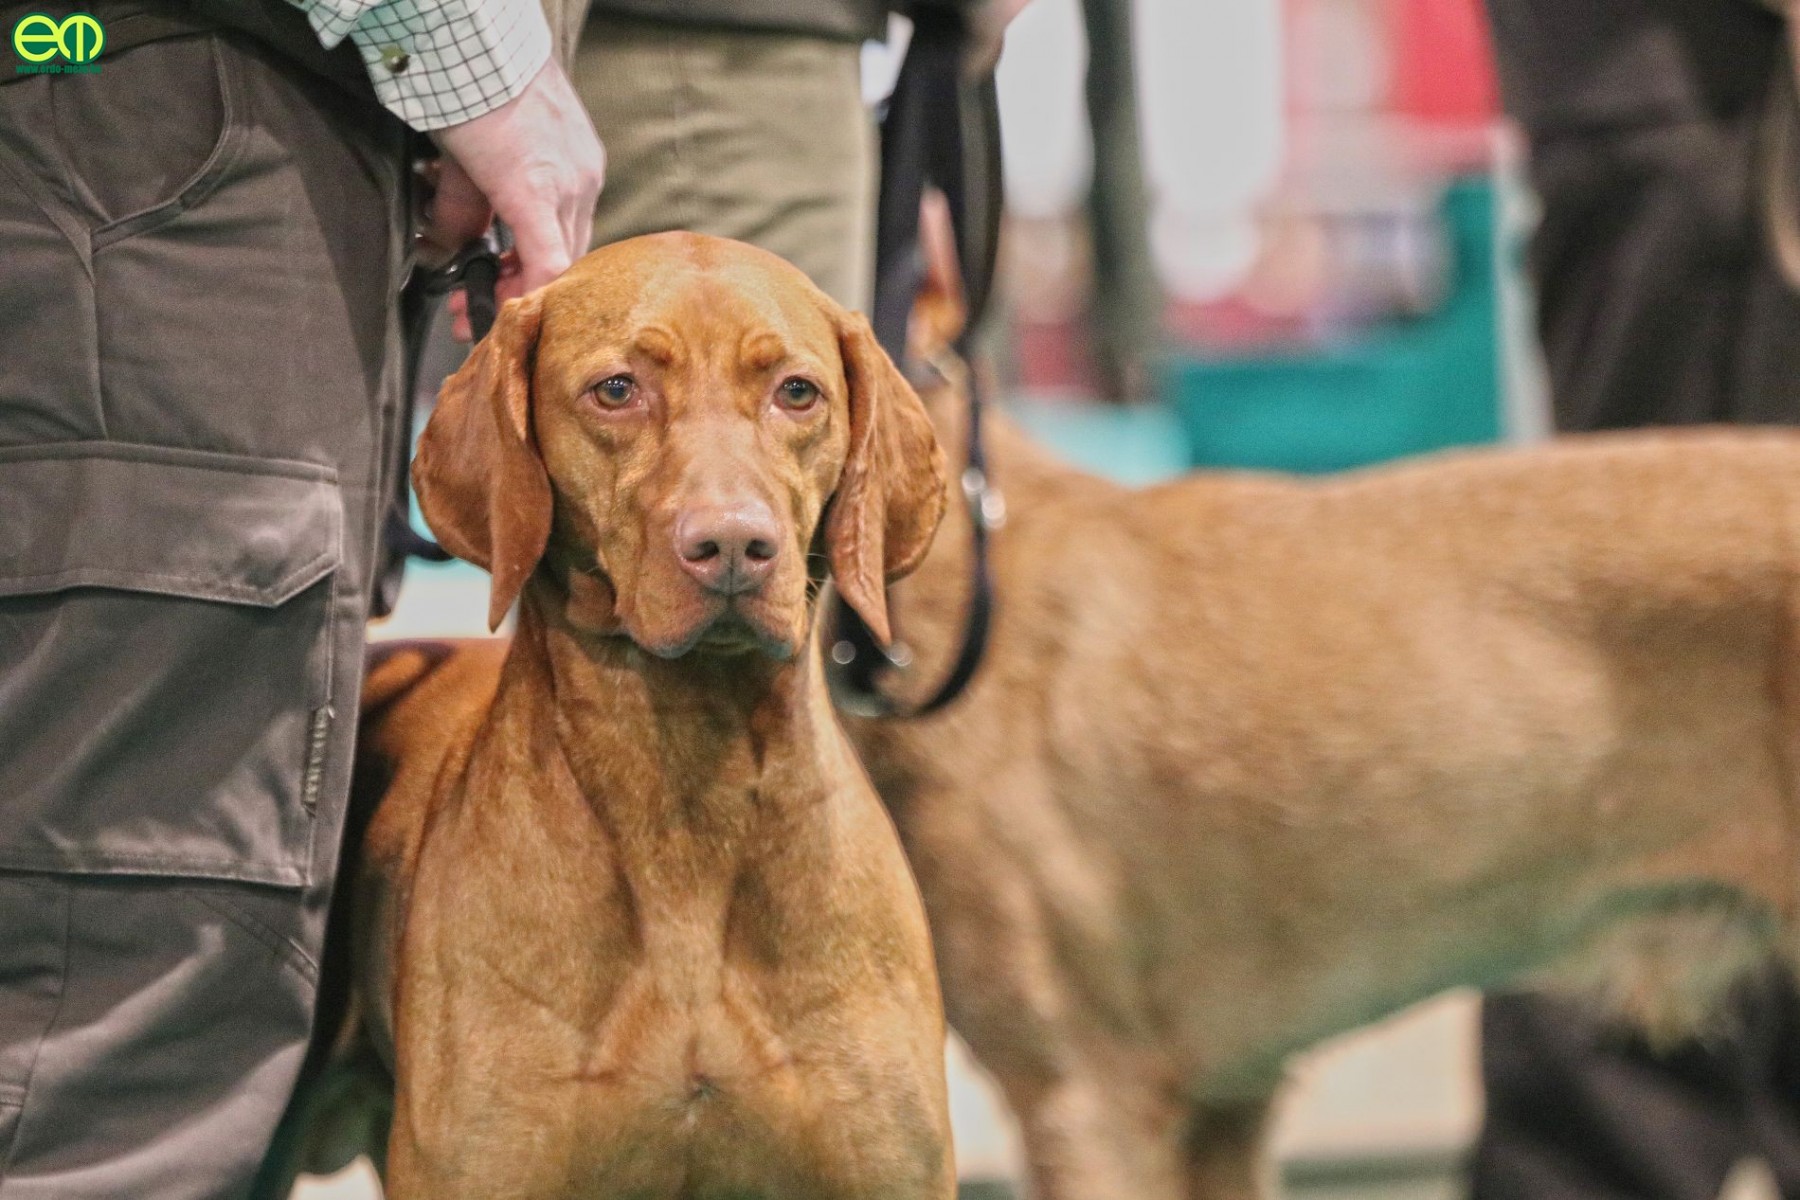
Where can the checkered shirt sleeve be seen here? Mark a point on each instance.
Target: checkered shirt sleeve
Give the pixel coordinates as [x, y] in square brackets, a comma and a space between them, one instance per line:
[439, 62]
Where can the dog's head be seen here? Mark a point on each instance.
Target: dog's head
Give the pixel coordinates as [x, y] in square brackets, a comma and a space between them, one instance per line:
[681, 421]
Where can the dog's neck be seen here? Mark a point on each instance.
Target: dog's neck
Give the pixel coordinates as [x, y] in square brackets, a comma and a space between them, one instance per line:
[700, 738]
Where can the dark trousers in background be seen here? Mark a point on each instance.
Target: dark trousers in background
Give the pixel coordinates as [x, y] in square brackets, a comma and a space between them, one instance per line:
[198, 371]
[1659, 304]
[1580, 1111]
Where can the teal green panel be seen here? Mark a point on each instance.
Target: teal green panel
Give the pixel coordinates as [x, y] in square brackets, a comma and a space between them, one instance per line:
[1136, 444]
[1403, 388]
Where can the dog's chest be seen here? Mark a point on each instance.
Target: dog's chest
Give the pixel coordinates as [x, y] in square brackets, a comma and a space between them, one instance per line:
[673, 998]
[715, 1083]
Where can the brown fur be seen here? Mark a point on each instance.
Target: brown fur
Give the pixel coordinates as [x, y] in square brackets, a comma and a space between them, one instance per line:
[1253, 761]
[630, 920]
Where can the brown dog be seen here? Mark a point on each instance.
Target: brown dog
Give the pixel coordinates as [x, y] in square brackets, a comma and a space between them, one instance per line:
[1254, 761]
[631, 921]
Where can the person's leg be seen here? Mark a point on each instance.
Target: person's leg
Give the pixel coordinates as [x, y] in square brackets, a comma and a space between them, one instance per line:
[1579, 1112]
[1658, 303]
[202, 251]
[1773, 1108]
[751, 135]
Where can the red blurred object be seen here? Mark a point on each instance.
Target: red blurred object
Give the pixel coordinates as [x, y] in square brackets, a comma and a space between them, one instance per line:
[1054, 356]
[1443, 61]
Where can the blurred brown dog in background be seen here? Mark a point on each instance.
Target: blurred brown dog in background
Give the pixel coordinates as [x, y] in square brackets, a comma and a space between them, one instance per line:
[1254, 761]
[629, 920]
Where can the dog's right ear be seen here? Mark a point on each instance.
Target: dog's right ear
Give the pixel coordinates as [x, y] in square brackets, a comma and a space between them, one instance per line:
[480, 478]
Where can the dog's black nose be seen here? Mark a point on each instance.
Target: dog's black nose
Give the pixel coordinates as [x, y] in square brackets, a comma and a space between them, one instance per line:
[730, 550]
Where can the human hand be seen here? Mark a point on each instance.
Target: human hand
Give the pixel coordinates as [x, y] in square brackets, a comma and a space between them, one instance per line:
[536, 163]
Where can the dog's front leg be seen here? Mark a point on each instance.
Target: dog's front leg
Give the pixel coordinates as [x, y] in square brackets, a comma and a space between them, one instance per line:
[1102, 1135]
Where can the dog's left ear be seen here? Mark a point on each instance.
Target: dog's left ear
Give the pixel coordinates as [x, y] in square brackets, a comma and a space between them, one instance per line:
[481, 481]
[890, 497]
[940, 310]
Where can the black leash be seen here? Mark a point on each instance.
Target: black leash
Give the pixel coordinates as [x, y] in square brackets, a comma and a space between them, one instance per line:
[477, 268]
[940, 130]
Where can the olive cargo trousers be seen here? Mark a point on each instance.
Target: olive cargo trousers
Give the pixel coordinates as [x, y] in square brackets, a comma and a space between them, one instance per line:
[756, 135]
[202, 248]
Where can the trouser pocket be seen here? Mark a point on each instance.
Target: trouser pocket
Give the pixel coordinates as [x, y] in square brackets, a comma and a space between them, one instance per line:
[165, 660]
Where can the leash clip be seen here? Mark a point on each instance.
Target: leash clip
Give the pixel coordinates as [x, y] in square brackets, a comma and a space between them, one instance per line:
[476, 269]
[986, 501]
[484, 250]
[864, 699]
[898, 655]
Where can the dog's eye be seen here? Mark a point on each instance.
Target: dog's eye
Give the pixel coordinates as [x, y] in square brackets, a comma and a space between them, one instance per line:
[614, 392]
[797, 395]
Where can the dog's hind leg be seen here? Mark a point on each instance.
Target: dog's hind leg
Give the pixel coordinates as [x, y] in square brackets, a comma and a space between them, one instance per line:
[1227, 1156]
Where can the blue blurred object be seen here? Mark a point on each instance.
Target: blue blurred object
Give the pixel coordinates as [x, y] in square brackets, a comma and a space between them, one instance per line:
[1405, 387]
[1136, 444]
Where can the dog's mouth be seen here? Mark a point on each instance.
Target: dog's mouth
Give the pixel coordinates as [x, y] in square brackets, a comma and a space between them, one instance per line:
[735, 633]
[727, 629]
[674, 620]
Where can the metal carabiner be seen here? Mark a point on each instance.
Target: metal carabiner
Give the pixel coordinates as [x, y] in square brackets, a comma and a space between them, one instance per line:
[476, 269]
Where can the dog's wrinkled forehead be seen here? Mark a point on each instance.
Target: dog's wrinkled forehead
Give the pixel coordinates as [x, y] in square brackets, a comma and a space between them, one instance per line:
[688, 301]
